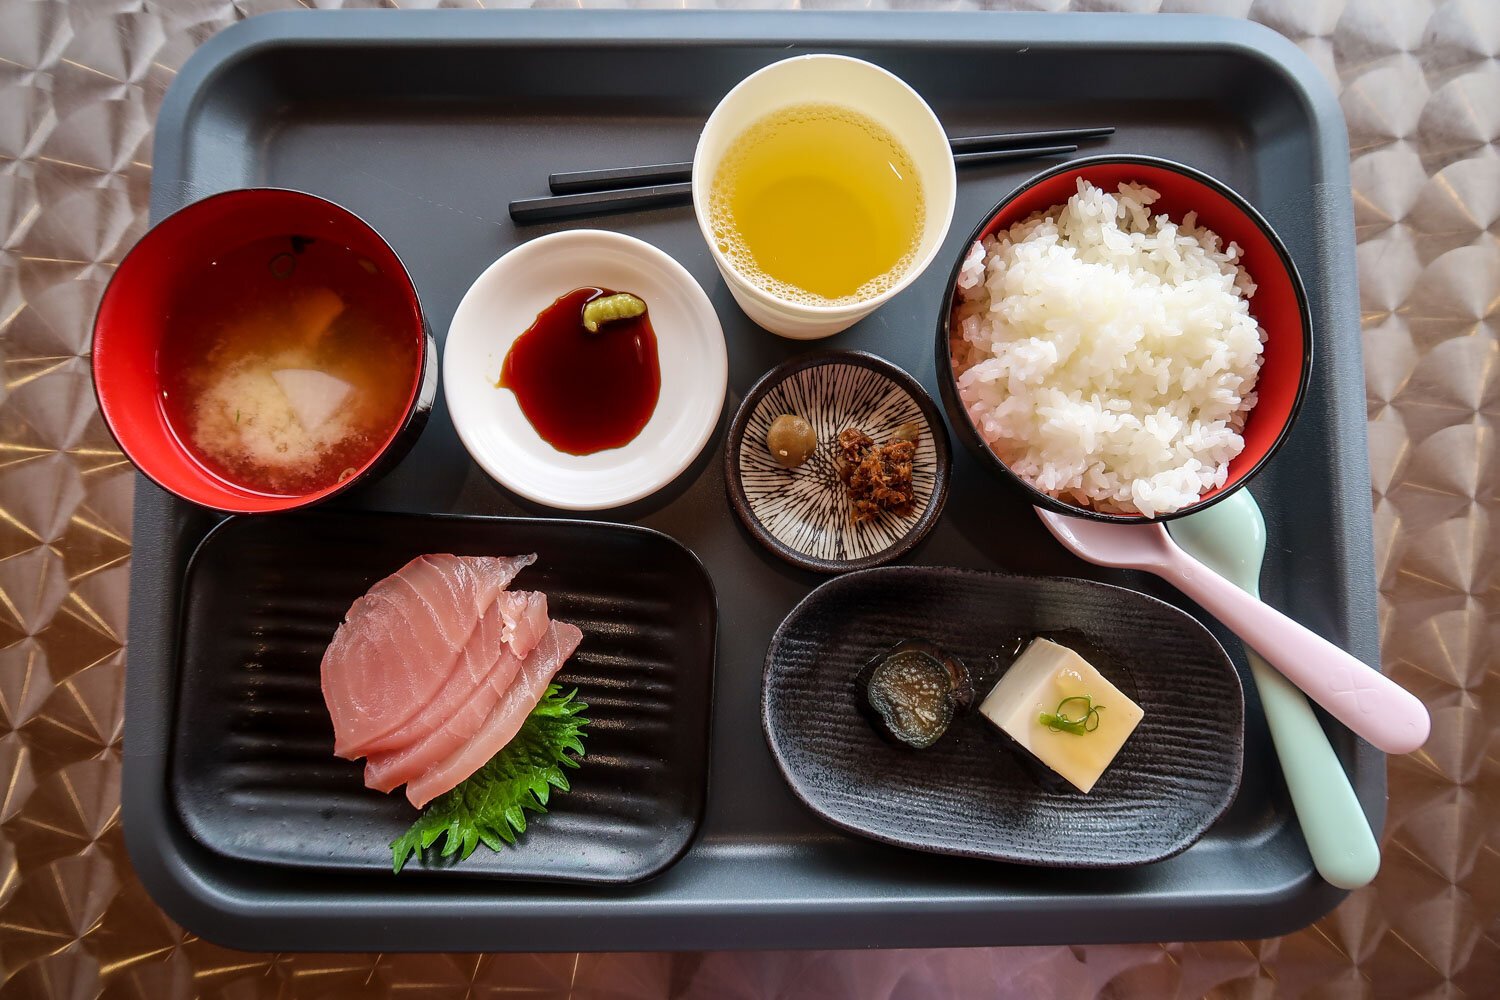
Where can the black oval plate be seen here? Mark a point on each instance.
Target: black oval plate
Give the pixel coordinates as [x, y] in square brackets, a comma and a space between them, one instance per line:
[253, 775]
[970, 794]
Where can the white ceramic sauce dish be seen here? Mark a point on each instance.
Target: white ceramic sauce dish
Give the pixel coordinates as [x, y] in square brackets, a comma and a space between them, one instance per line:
[504, 302]
[861, 87]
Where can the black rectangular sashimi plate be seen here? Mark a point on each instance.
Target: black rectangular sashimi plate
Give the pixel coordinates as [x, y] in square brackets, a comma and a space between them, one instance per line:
[253, 774]
[428, 123]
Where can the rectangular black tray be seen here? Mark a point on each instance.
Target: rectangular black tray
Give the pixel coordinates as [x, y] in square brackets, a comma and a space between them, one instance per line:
[427, 123]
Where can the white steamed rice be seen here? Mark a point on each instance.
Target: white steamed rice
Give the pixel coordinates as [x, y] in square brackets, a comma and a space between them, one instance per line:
[1107, 356]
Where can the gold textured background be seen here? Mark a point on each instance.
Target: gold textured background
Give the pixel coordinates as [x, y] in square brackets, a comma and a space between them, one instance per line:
[80, 82]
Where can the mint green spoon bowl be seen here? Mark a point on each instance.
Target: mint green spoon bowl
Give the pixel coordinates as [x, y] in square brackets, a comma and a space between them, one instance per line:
[1230, 539]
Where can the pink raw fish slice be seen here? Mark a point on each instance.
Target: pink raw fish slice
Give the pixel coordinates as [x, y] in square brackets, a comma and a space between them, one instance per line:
[505, 719]
[400, 643]
[509, 630]
[454, 716]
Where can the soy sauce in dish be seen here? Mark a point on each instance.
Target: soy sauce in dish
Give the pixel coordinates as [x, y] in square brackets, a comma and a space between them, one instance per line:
[584, 392]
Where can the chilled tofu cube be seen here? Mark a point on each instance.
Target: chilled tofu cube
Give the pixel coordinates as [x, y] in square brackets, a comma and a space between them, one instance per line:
[1046, 675]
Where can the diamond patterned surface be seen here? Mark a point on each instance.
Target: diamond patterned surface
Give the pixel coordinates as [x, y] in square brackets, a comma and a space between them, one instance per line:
[80, 81]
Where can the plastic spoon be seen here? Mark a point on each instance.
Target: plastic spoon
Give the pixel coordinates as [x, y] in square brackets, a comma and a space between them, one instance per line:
[1230, 539]
[1365, 700]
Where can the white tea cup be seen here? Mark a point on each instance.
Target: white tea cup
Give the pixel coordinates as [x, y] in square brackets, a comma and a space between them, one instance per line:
[860, 87]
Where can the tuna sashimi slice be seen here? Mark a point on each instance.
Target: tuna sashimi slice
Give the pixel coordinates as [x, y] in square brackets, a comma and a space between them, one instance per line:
[401, 642]
[504, 720]
[452, 718]
[510, 628]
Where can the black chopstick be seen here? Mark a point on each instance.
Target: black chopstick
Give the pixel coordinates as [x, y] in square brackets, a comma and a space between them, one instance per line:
[568, 206]
[609, 178]
[526, 211]
[1010, 140]
[1002, 155]
[605, 178]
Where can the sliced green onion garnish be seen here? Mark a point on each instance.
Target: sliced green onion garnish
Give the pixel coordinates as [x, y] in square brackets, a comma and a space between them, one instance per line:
[1060, 722]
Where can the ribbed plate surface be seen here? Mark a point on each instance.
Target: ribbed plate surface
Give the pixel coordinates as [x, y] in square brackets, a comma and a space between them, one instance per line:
[253, 772]
[969, 794]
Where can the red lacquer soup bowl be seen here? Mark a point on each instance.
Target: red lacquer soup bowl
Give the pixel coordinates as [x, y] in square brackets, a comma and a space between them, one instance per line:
[1279, 306]
[154, 289]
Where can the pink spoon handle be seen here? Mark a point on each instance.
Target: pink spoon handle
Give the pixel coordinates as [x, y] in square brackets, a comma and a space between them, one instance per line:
[1369, 703]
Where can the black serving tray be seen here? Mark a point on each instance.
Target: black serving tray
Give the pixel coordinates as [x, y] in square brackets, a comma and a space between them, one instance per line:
[428, 123]
[253, 775]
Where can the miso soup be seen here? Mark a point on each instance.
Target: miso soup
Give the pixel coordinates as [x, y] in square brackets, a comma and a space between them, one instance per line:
[287, 364]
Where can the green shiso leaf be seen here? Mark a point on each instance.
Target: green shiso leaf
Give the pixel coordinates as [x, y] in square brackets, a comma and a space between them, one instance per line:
[490, 806]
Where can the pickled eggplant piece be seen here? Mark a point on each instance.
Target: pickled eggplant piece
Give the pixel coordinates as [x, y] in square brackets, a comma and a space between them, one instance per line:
[912, 692]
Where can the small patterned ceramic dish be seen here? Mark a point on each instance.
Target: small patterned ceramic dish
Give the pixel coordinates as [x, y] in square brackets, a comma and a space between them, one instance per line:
[805, 514]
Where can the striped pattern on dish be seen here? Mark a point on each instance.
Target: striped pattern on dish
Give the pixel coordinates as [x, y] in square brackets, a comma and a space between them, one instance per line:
[807, 508]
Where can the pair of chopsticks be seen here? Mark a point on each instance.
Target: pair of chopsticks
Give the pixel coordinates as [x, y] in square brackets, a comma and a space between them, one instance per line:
[619, 189]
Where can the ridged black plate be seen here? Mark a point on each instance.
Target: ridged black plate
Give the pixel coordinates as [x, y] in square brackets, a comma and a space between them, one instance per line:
[970, 794]
[253, 775]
